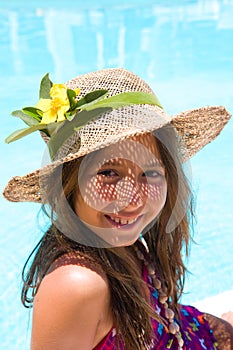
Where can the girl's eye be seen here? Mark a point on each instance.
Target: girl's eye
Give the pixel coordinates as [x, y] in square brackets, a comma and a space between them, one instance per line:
[151, 173]
[109, 173]
[153, 176]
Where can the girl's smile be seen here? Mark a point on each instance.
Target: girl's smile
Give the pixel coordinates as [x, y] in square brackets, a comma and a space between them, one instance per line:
[121, 222]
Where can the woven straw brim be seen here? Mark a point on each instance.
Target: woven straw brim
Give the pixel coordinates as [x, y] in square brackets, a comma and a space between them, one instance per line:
[195, 129]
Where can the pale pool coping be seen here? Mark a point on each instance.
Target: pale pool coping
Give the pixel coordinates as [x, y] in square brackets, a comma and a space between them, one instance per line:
[216, 305]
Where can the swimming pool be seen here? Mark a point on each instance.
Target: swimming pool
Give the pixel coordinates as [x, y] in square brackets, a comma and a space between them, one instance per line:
[183, 49]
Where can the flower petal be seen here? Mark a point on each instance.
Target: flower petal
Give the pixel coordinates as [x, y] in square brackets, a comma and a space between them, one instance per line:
[61, 113]
[49, 117]
[58, 91]
[43, 104]
[77, 91]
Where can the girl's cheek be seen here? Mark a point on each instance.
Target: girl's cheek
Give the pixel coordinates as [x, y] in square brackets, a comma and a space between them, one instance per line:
[106, 192]
[96, 193]
[156, 193]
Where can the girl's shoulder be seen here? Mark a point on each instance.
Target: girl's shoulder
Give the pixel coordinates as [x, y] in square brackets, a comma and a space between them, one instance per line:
[79, 276]
[73, 293]
[77, 269]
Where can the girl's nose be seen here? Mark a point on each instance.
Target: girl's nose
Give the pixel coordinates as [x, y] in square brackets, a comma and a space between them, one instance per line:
[128, 194]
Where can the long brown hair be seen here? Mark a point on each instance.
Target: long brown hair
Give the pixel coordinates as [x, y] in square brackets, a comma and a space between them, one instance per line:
[128, 296]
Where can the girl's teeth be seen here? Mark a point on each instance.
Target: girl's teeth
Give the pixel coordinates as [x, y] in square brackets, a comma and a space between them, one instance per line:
[122, 221]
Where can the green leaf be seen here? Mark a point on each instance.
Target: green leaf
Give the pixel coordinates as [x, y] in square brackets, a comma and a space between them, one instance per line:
[25, 117]
[126, 99]
[67, 129]
[70, 115]
[52, 127]
[18, 134]
[33, 112]
[45, 87]
[91, 97]
[71, 96]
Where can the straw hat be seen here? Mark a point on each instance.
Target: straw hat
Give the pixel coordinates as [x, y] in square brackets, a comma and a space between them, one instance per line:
[195, 128]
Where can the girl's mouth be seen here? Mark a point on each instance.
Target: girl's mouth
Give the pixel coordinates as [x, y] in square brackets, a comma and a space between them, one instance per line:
[122, 222]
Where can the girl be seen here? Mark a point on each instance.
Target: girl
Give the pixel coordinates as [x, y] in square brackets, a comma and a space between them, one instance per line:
[108, 273]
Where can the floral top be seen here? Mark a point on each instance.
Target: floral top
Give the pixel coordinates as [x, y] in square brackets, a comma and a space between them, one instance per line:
[195, 330]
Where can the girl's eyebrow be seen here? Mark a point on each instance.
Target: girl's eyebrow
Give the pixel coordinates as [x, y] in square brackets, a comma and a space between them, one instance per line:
[116, 162]
[154, 163]
[113, 162]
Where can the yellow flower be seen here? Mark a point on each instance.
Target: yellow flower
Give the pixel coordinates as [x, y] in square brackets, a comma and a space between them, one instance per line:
[58, 91]
[54, 109]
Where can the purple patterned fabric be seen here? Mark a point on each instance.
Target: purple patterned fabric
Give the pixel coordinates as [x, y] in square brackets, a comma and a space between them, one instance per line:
[195, 330]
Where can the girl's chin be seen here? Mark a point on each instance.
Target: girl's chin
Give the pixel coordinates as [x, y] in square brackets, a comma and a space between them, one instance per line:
[121, 240]
[115, 236]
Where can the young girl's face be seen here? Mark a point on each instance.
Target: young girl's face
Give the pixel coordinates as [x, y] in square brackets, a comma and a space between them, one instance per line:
[122, 189]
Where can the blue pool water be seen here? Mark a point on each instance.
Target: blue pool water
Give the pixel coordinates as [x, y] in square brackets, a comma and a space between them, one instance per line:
[183, 49]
